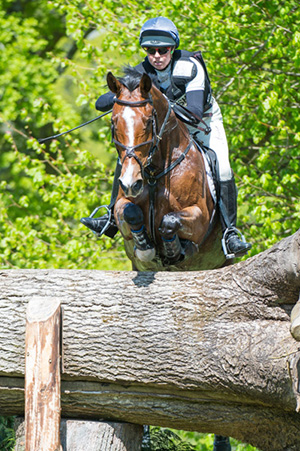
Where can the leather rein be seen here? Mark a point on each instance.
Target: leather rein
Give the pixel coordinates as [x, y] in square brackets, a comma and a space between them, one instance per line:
[147, 172]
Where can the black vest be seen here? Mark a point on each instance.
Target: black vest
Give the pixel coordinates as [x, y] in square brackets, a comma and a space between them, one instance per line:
[176, 91]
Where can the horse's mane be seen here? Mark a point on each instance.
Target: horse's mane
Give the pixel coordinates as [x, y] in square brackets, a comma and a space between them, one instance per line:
[131, 78]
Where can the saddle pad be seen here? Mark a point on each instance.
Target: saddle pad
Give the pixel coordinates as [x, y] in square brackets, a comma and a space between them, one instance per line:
[209, 174]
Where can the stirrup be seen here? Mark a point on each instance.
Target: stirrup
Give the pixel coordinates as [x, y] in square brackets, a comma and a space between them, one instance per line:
[109, 212]
[227, 232]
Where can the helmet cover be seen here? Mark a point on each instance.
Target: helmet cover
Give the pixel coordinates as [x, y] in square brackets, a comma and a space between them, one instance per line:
[159, 32]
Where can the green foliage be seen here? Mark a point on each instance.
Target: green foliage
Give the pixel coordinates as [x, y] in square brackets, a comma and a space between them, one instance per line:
[204, 442]
[54, 58]
[162, 439]
[7, 435]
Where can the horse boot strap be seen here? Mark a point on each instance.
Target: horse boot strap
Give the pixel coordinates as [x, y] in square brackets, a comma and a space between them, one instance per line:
[144, 248]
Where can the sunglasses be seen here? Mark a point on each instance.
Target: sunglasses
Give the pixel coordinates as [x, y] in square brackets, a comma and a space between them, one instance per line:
[160, 50]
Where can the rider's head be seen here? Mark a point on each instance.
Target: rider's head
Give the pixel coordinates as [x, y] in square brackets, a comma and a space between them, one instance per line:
[159, 37]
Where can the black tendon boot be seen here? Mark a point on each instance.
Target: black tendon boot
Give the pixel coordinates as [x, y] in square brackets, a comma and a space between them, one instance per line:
[106, 224]
[221, 443]
[233, 242]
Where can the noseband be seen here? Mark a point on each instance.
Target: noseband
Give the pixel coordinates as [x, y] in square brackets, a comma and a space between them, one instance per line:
[156, 138]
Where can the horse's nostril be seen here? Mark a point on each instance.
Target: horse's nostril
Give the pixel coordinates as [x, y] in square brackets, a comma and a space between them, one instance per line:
[124, 188]
[137, 186]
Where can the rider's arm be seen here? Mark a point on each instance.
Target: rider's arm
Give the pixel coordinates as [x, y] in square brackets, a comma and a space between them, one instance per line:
[195, 98]
[105, 102]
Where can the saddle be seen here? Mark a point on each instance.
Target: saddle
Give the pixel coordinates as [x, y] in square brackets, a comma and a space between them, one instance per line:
[190, 118]
[212, 169]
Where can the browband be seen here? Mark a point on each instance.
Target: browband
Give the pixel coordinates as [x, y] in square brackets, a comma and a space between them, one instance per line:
[132, 104]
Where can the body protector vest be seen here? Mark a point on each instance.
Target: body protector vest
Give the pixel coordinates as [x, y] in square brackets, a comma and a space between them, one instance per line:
[183, 70]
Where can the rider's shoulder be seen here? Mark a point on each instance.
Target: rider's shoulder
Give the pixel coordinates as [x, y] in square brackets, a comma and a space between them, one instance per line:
[183, 66]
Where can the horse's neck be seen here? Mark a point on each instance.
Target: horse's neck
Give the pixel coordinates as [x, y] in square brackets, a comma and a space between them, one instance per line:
[175, 135]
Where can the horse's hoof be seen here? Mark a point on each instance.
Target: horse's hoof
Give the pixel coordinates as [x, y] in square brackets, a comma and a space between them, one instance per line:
[146, 255]
[189, 247]
[166, 261]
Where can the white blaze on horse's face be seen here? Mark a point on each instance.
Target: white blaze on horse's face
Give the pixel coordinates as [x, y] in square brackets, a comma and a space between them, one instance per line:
[131, 180]
[128, 116]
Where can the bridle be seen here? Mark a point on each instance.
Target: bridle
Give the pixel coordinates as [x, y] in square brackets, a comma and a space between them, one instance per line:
[154, 141]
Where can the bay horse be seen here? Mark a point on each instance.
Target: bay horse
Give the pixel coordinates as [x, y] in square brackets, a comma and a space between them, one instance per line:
[164, 210]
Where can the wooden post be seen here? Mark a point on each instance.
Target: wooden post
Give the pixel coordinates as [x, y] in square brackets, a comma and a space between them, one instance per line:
[42, 374]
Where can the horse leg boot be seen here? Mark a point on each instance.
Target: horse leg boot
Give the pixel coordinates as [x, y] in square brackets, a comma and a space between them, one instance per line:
[221, 443]
[233, 242]
[106, 224]
[173, 251]
[144, 248]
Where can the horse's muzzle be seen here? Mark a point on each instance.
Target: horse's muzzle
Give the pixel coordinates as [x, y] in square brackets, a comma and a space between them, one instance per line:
[132, 190]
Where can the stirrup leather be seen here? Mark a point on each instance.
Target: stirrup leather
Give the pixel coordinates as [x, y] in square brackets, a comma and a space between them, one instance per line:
[227, 232]
[108, 223]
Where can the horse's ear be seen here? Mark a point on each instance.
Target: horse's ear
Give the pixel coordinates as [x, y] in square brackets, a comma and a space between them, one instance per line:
[145, 85]
[113, 84]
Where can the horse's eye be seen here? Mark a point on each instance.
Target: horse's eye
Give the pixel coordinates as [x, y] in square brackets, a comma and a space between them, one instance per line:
[147, 122]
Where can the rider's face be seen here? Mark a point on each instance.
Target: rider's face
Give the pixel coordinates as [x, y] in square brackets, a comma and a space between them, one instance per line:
[160, 61]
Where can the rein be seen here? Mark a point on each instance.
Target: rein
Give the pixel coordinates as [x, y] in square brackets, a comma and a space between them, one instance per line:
[43, 140]
[152, 182]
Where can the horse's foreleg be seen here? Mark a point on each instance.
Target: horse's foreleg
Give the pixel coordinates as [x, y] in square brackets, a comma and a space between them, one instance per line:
[169, 226]
[187, 224]
[144, 248]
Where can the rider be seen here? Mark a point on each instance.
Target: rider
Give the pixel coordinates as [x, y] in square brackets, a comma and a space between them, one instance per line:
[184, 80]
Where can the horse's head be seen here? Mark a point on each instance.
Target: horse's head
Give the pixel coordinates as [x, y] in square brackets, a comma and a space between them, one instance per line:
[133, 128]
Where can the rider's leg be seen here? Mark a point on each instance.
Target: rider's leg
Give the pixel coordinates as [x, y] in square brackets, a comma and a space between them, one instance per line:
[234, 243]
[98, 224]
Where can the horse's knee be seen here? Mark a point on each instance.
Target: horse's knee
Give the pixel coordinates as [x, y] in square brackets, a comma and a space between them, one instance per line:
[170, 224]
[133, 215]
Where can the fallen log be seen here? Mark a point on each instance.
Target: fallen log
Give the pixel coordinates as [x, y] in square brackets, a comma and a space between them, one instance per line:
[204, 351]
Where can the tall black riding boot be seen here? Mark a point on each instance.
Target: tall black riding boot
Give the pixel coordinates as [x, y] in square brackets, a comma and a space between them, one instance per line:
[233, 241]
[106, 224]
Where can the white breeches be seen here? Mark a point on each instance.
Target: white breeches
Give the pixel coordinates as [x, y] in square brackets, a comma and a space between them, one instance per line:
[216, 139]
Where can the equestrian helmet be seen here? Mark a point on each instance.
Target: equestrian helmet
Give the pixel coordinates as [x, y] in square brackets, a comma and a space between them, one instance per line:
[159, 32]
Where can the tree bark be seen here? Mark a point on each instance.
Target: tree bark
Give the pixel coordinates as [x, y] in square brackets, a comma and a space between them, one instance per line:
[205, 351]
[78, 435]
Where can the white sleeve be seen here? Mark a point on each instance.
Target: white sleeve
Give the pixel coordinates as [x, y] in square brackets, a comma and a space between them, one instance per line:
[198, 82]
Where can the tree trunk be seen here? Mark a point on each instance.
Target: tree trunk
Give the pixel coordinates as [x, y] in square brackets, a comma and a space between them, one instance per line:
[91, 436]
[204, 351]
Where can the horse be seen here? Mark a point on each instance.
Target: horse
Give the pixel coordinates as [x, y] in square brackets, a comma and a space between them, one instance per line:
[165, 209]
